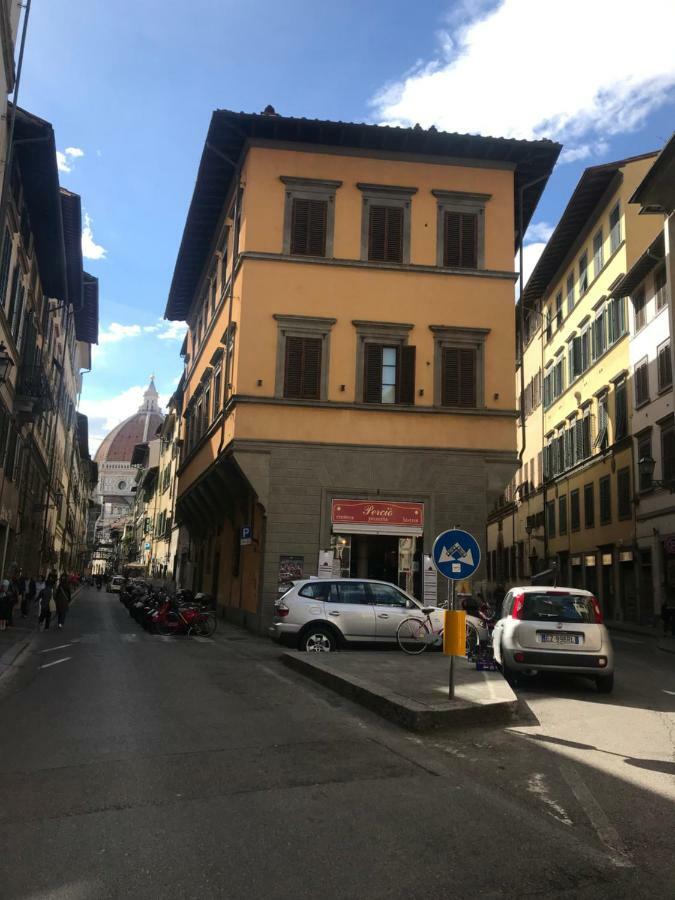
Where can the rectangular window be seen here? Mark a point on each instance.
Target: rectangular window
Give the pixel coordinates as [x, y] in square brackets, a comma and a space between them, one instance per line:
[644, 451]
[550, 518]
[4, 265]
[570, 293]
[620, 411]
[623, 493]
[640, 309]
[600, 334]
[616, 324]
[217, 391]
[602, 441]
[559, 310]
[598, 261]
[615, 228]
[309, 222]
[548, 389]
[302, 368]
[562, 515]
[385, 233]
[458, 386]
[642, 382]
[583, 273]
[668, 453]
[549, 327]
[460, 240]
[605, 500]
[665, 367]
[389, 374]
[575, 515]
[558, 378]
[660, 288]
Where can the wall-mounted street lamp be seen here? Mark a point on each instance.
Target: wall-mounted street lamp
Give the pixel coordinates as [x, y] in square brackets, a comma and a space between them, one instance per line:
[646, 466]
[6, 363]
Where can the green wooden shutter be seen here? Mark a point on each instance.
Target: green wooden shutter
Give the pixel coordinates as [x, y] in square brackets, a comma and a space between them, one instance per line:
[308, 227]
[372, 373]
[405, 376]
[385, 233]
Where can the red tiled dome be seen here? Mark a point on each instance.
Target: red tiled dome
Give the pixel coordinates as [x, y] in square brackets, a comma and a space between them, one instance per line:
[119, 445]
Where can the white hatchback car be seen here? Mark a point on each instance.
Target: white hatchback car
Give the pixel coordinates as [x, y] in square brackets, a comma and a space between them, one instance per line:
[557, 629]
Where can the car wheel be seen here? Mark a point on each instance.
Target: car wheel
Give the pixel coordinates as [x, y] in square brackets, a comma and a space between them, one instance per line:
[318, 640]
[605, 683]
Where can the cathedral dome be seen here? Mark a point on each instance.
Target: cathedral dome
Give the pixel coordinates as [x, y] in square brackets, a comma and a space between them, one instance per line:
[118, 446]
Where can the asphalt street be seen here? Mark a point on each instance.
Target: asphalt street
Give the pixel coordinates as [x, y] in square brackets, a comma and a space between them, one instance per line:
[139, 766]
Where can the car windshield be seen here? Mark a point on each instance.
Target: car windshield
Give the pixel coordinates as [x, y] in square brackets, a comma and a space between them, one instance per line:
[558, 607]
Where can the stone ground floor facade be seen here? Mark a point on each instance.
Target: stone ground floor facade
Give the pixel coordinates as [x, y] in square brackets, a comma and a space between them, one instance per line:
[266, 513]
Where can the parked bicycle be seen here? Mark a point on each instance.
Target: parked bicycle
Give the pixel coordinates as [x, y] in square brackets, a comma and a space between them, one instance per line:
[415, 635]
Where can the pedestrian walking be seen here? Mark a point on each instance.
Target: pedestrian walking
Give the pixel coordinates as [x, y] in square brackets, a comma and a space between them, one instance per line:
[62, 599]
[47, 603]
[5, 604]
[12, 590]
[21, 592]
[28, 598]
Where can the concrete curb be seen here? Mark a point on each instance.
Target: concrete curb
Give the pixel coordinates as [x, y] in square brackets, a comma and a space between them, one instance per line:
[403, 710]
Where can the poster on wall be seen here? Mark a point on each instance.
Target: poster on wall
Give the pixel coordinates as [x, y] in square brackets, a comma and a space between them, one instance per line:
[326, 564]
[291, 568]
[430, 581]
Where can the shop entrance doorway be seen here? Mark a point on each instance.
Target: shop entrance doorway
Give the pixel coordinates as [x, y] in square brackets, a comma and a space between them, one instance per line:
[375, 557]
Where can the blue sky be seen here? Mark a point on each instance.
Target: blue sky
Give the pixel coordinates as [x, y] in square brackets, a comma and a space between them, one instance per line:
[130, 86]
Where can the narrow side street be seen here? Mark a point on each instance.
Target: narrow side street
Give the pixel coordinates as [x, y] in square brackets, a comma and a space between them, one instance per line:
[151, 767]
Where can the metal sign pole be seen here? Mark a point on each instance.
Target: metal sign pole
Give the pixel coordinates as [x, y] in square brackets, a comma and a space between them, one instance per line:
[451, 674]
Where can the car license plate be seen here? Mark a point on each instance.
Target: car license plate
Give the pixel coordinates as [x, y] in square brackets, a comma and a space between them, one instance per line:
[558, 637]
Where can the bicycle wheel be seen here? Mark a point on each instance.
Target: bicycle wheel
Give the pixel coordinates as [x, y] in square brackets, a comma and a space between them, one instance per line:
[203, 625]
[413, 636]
[472, 642]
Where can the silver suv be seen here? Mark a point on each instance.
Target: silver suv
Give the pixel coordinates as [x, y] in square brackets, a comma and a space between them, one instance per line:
[319, 615]
[556, 629]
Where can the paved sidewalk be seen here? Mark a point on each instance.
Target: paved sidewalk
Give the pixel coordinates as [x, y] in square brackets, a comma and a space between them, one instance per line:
[412, 690]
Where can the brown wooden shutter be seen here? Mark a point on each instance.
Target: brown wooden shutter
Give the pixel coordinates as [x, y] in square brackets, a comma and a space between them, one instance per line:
[311, 375]
[372, 373]
[458, 387]
[405, 375]
[293, 368]
[460, 240]
[308, 227]
[385, 233]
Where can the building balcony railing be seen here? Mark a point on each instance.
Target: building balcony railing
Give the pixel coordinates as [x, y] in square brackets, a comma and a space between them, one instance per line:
[33, 386]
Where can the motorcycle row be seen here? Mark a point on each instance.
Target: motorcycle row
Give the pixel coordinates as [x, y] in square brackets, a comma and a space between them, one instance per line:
[169, 614]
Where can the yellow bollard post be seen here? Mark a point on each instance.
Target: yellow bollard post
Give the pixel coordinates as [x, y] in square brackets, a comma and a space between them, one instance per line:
[454, 633]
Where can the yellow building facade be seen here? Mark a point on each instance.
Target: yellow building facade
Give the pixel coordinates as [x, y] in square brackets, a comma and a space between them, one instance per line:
[583, 504]
[349, 292]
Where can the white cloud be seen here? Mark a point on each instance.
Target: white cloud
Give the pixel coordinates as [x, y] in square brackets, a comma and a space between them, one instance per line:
[531, 253]
[172, 331]
[90, 249]
[530, 69]
[64, 158]
[116, 332]
[538, 231]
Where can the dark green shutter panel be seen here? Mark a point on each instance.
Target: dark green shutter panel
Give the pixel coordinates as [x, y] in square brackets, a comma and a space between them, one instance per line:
[308, 227]
[458, 386]
[372, 373]
[668, 454]
[385, 233]
[311, 375]
[405, 377]
[460, 240]
[293, 368]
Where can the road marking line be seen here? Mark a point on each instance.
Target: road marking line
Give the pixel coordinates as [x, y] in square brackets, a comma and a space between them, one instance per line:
[56, 662]
[51, 649]
[598, 818]
[537, 786]
[672, 693]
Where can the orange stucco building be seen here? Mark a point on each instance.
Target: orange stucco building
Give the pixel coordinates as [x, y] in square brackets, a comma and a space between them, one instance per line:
[349, 295]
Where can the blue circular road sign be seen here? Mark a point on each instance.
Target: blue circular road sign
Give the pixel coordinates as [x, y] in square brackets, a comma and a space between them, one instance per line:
[456, 554]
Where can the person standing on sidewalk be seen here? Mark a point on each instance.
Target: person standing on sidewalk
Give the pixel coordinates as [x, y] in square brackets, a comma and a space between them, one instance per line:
[5, 604]
[28, 598]
[62, 599]
[21, 591]
[47, 604]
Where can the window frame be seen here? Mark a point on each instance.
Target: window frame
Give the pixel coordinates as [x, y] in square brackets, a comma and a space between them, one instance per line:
[296, 188]
[606, 480]
[623, 500]
[641, 377]
[589, 493]
[302, 327]
[575, 510]
[584, 279]
[639, 303]
[615, 231]
[385, 195]
[663, 349]
[460, 202]
[667, 472]
[660, 290]
[644, 448]
[446, 337]
[598, 252]
[388, 334]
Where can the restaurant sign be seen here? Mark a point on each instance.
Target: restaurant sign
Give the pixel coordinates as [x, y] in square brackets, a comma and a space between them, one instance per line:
[377, 512]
